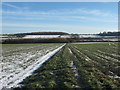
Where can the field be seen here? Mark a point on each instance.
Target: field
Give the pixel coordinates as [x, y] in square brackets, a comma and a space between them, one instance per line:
[79, 66]
[19, 60]
[76, 65]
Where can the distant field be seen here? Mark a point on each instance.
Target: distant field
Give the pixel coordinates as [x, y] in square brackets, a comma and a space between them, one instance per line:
[19, 59]
[93, 65]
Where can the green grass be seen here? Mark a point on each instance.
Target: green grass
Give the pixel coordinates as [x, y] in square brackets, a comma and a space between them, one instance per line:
[55, 73]
[94, 64]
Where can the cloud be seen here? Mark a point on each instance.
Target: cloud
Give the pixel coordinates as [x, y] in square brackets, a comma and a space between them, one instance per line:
[10, 5]
[21, 25]
[95, 12]
[63, 14]
[55, 27]
[69, 15]
[56, 12]
[66, 18]
[17, 9]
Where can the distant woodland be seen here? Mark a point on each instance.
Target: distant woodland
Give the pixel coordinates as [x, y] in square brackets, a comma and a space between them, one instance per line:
[109, 34]
[62, 33]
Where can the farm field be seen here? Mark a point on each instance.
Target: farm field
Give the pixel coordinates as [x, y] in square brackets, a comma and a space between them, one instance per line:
[86, 65]
[19, 60]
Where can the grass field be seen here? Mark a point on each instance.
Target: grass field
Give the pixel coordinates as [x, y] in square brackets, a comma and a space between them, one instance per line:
[78, 65]
[18, 59]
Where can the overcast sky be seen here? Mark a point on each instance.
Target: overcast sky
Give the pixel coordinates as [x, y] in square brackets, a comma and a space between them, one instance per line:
[77, 17]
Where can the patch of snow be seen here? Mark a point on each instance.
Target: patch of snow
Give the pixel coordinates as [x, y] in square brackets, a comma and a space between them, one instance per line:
[116, 55]
[13, 82]
[107, 57]
[116, 77]
[41, 36]
[14, 64]
[70, 50]
[87, 58]
[76, 86]
[74, 69]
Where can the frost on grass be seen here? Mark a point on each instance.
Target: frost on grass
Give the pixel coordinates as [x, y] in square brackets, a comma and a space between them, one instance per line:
[19, 63]
[70, 51]
[74, 69]
[73, 66]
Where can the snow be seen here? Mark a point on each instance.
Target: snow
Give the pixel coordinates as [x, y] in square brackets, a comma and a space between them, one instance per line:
[116, 77]
[55, 36]
[3, 36]
[70, 50]
[74, 69]
[106, 57]
[116, 55]
[65, 36]
[16, 74]
[41, 36]
[87, 59]
[94, 36]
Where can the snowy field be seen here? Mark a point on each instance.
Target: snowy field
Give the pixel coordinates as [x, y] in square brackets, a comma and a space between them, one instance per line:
[19, 60]
[41, 36]
[50, 36]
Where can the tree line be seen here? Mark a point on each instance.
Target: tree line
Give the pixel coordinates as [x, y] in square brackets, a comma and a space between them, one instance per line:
[109, 33]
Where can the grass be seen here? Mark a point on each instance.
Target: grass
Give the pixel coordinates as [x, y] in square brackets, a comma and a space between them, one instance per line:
[18, 57]
[96, 65]
[93, 65]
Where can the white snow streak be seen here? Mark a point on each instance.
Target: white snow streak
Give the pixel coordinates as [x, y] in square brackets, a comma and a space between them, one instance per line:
[74, 69]
[17, 78]
[70, 50]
